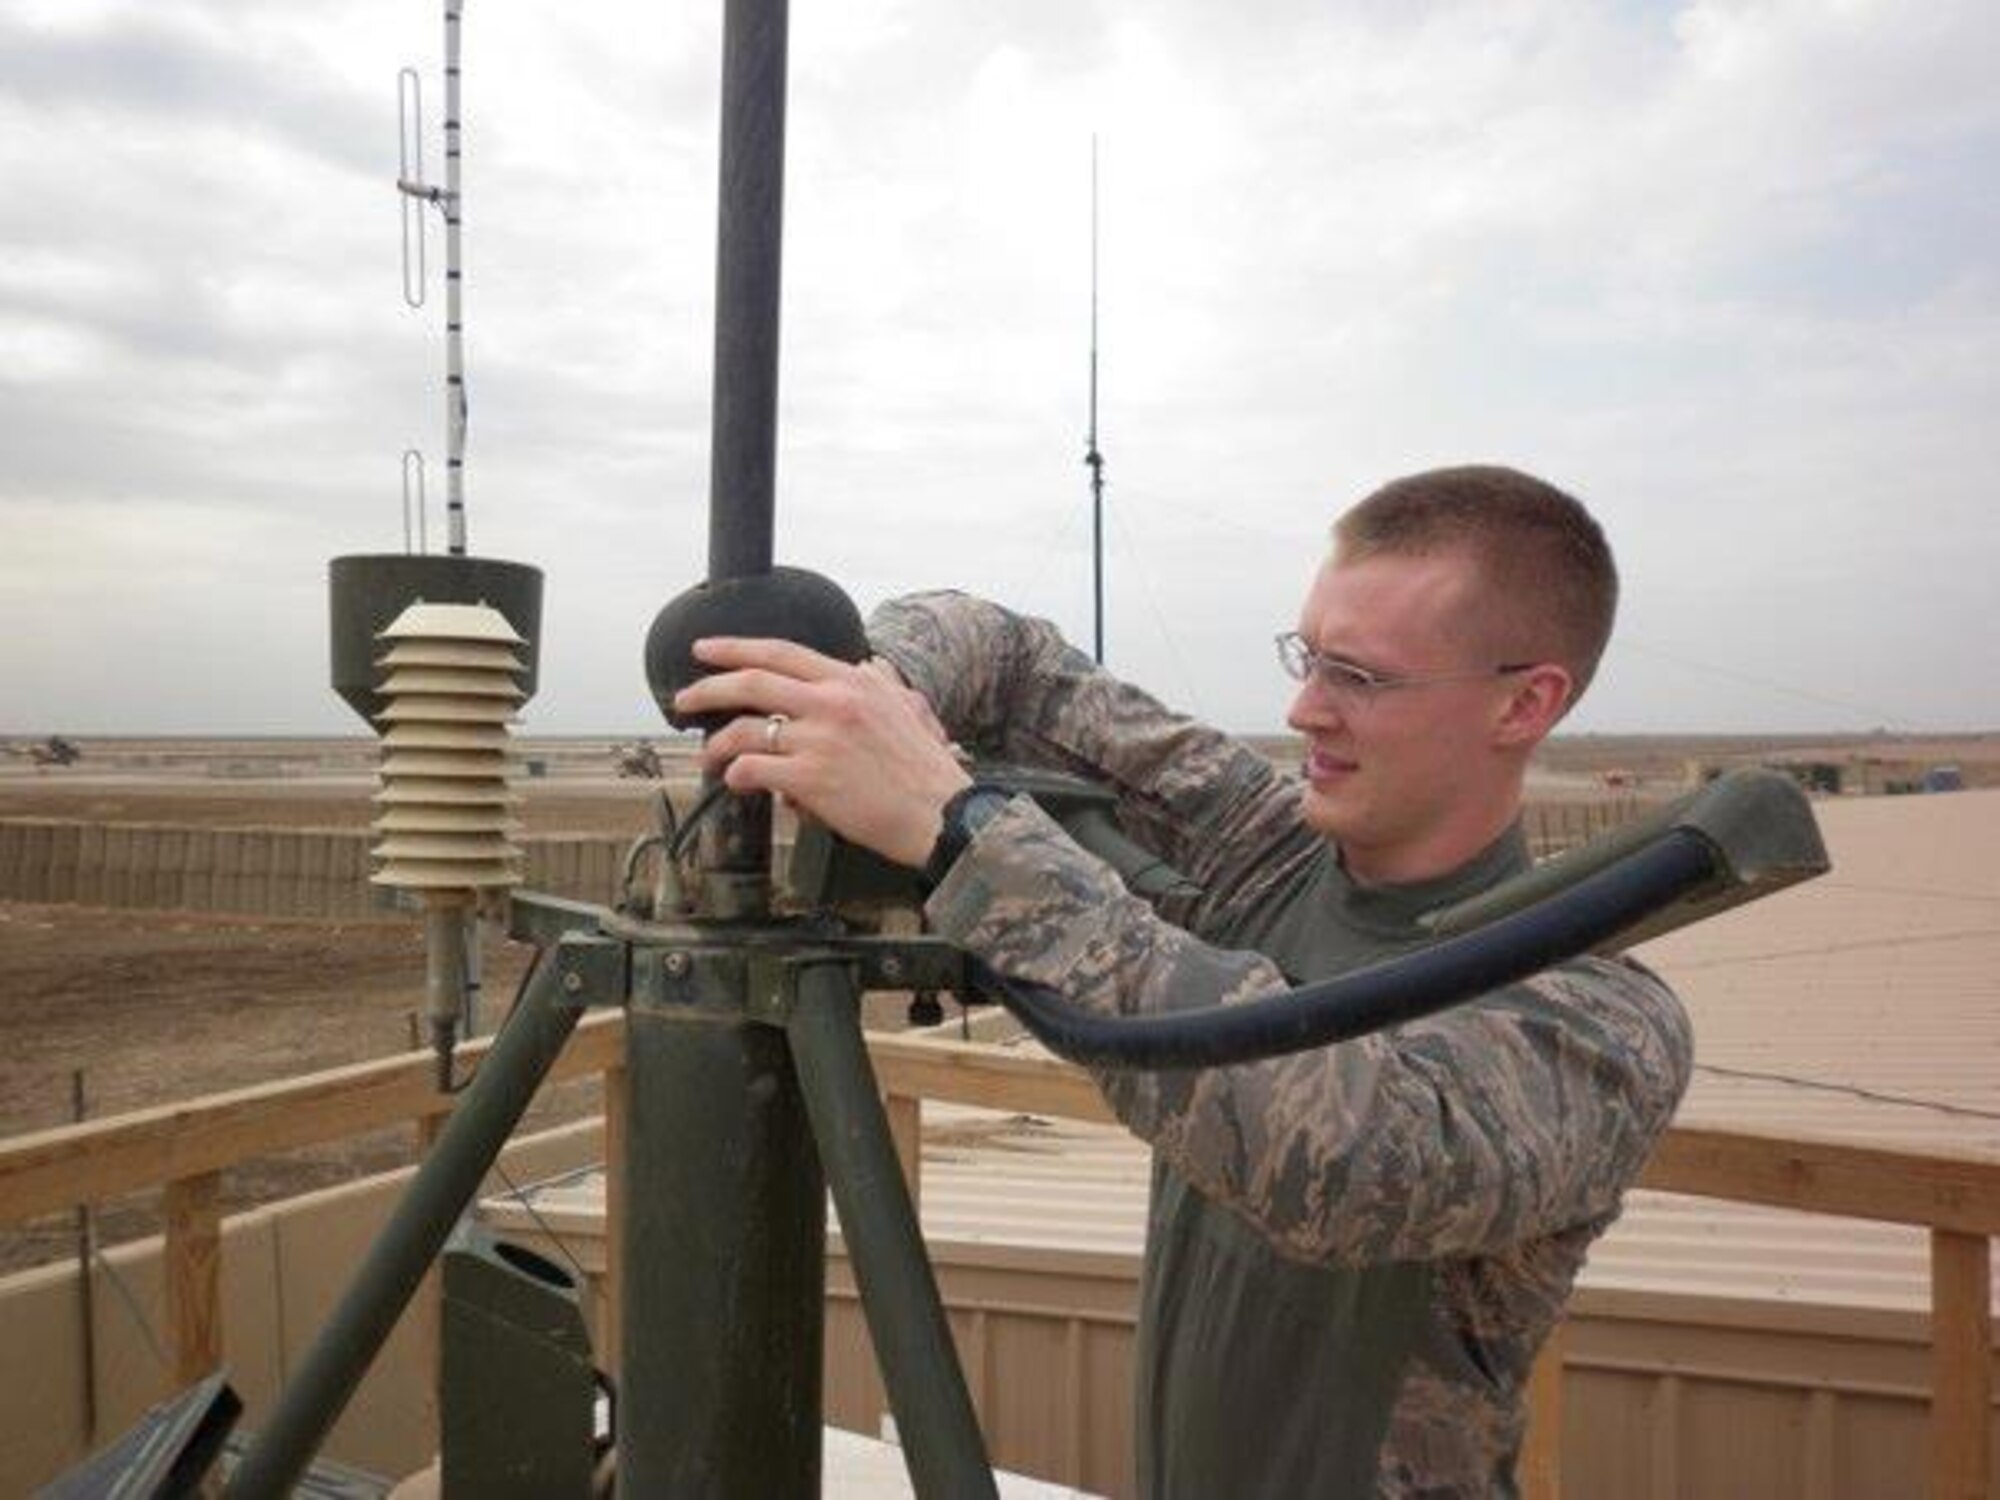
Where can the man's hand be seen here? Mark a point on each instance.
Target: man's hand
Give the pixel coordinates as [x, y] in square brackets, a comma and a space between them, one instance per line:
[850, 745]
[887, 670]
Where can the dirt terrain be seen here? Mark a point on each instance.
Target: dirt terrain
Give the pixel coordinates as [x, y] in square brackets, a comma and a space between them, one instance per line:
[153, 1006]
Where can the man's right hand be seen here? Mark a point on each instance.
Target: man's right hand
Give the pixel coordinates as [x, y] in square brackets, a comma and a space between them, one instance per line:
[849, 745]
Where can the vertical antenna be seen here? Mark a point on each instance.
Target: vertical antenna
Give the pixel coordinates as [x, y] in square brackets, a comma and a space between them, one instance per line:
[454, 280]
[450, 200]
[1092, 457]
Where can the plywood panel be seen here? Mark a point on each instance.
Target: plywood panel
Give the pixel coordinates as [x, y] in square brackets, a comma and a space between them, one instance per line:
[1609, 1422]
[1741, 1440]
[1029, 1408]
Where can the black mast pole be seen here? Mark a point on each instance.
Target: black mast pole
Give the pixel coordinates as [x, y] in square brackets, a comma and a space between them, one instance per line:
[749, 252]
[1094, 458]
[725, 1230]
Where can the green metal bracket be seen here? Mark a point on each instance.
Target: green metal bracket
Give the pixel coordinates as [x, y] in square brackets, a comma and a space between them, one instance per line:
[1758, 823]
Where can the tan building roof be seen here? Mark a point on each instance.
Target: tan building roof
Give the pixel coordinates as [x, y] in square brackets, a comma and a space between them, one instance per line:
[1880, 978]
[1876, 988]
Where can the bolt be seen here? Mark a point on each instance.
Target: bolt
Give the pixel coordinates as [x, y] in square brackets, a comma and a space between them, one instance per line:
[676, 965]
[572, 983]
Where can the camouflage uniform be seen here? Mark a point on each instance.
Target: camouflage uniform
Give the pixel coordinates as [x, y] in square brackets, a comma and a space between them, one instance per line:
[1353, 1253]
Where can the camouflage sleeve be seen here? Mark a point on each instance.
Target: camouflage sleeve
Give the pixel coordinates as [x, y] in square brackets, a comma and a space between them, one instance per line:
[1008, 685]
[1508, 1118]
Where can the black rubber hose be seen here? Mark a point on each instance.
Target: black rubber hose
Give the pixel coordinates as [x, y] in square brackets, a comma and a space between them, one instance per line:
[1387, 994]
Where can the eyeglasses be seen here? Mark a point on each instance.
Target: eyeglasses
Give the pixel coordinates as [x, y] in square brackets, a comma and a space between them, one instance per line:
[1357, 683]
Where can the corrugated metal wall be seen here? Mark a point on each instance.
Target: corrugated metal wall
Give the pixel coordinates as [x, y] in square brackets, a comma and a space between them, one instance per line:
[1667, 1395]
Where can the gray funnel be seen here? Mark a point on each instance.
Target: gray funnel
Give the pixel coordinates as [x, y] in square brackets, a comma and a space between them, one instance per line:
[365, 593]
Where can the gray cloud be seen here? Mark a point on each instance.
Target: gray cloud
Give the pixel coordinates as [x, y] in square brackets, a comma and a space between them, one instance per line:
[148, 67]
[1725, 268]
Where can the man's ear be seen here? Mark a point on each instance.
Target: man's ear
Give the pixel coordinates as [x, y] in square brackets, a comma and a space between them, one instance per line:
[1540, 697]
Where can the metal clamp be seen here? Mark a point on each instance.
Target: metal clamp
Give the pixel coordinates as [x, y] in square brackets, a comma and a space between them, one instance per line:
[591, 970]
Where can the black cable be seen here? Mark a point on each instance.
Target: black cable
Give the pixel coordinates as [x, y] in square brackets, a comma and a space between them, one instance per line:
[454, 1086]
[1398, 990]
[520, 1195]
[1817, 950]
[710, 798]
[1849, 1090]
[1926, 892]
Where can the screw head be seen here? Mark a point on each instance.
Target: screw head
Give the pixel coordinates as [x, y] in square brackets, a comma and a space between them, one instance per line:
[676, 964]
[892, 967]
[572, 983]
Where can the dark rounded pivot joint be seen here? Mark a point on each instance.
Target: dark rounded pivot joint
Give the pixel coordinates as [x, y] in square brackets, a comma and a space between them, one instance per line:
[793, 604]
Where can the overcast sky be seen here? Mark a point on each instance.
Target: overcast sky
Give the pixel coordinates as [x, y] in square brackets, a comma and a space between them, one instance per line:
[1728, 270]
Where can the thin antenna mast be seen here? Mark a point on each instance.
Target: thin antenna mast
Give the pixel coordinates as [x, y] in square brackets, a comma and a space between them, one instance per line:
[450, 200]
[1093, 458]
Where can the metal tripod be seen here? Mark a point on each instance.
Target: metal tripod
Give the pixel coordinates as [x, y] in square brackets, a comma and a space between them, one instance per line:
[751, 1095]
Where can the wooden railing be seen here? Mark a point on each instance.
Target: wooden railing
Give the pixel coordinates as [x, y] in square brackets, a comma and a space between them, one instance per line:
[184, 1147]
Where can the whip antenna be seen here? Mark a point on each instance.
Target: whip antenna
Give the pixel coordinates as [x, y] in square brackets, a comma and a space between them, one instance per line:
[450, 200]
[1093, 458]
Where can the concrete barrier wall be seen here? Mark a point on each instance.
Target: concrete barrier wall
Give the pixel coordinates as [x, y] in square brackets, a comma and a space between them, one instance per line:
[278, 872]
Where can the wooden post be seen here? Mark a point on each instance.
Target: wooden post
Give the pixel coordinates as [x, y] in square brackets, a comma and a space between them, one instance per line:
[906, 1129]
[86, 1278]
[1961, 1365]
[1540, 1468]
[611, 1304]
[194, 1275]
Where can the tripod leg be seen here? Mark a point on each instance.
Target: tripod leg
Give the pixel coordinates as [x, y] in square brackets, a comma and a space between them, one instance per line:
[486, 1115]
[940, 1433]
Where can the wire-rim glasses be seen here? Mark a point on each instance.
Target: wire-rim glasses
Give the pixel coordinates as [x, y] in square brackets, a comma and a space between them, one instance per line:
[1353, 681]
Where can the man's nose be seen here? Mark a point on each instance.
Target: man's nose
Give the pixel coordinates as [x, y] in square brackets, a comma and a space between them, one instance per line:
[1313, 707]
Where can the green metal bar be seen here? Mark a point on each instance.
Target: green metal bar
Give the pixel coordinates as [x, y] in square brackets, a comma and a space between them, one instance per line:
[1759, 824]
[487, 1113]
[934, 1418]
[724, 1267]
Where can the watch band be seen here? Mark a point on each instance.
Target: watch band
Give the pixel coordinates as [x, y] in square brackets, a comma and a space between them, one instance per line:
[964, 815]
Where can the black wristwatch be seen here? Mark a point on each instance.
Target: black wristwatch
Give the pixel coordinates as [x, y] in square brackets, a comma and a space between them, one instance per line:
[968, 811]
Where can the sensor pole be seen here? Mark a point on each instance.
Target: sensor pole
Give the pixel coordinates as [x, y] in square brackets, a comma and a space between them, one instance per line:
[725, 1239]
[450, 930]
[748, 264]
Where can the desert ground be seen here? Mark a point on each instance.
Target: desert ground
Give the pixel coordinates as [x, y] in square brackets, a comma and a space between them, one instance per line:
[149, 1006]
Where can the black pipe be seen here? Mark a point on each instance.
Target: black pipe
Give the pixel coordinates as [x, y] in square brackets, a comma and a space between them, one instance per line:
[934, 1418]
[743, 458]
[1383, 995]
[487, 1112]
[743, 461]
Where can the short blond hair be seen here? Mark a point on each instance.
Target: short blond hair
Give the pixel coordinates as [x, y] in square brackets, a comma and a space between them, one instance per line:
[1543, 556]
